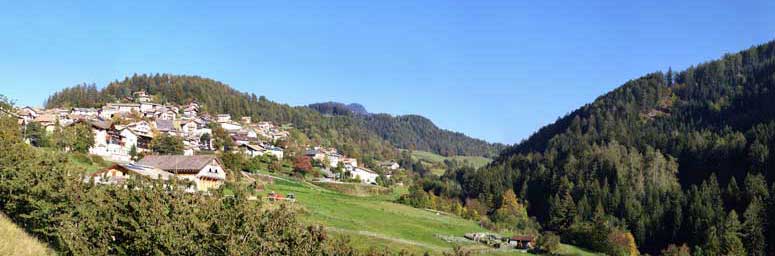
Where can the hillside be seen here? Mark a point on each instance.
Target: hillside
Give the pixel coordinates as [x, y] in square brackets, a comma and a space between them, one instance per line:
[437, 163]
[356, 135]
[413, 131]
[374, 221]
[667, 156]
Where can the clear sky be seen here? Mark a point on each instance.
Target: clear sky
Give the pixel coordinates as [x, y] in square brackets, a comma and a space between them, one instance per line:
[496, 70]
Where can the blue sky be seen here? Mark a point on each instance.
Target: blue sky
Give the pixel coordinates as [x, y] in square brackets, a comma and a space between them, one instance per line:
[496, 70]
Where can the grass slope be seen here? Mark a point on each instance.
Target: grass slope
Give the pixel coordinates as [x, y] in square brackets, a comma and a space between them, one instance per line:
[435, 159]
[14, 241]
[377, 222]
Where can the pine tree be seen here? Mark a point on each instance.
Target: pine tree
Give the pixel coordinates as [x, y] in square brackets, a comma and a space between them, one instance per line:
[753, 228]
[712, 244]
[731, 243]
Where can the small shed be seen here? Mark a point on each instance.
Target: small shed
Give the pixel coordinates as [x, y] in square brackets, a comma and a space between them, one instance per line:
[522, 242]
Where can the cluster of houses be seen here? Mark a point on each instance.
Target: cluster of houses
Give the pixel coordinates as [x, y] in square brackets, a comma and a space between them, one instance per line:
[332, 159]
[123, 129]
[116, 141]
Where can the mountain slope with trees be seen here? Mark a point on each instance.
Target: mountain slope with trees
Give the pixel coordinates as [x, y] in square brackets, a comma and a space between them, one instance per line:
[672, 158]
[413, 132]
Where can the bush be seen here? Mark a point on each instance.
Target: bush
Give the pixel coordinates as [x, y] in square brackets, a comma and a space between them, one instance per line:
[548, 243]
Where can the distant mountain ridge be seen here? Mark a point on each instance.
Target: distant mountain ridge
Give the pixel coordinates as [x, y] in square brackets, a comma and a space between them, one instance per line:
[338, 108]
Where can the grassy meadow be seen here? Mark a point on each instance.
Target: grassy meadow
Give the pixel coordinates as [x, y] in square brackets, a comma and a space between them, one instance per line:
[376, 222]
[436, 162]
[14, 241]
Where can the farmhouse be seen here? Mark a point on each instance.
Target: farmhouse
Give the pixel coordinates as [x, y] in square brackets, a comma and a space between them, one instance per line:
[365, 175]
[206, 172]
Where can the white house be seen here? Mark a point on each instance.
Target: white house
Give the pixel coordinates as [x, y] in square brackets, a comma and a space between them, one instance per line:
[149, 107]
[204, 171]
[277, 152]
[349, 163]
[221, 118]
[141, 127]
[365, 175]
[108, 142]
[107, 112]
[167, 114]
[141, 96]
[231, 127]
[124, 107]
[191, 111]
[389, 165]
[86, 112]
[140, 141]
[333, 159]
[189, 127]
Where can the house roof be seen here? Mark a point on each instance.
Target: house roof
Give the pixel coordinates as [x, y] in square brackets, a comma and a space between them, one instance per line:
[522, 238]
[253, 147]
[104, 125]
[133, 105]
[147, 171]
[164, 125]
[27, 111]
[178, 163]
[85, 109]
[45, 118]
[365, 170]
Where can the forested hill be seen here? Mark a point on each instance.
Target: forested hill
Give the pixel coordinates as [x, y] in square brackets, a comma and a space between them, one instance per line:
[348, 133]
[672, 157]
[413, 131]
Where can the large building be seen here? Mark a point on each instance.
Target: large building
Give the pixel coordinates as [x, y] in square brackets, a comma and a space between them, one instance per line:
[205, 171]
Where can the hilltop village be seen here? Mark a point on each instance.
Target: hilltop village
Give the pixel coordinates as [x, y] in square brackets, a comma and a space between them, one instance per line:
[143, 137]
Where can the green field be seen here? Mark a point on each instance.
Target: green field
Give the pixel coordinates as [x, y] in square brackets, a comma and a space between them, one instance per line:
[436, 161]
[376, 222]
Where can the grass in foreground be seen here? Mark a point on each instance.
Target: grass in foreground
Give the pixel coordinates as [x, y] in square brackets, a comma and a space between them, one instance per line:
[14, 241]
[367, 219]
